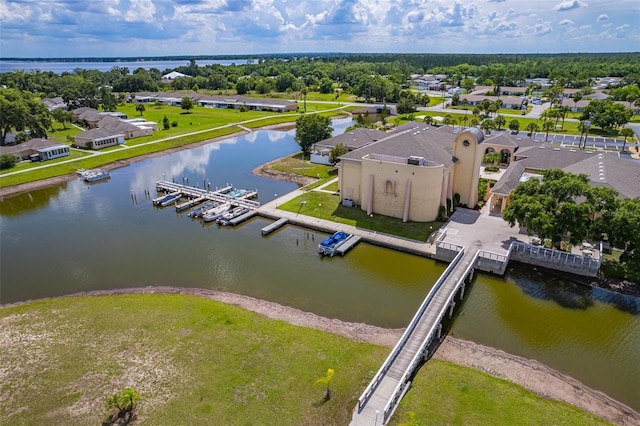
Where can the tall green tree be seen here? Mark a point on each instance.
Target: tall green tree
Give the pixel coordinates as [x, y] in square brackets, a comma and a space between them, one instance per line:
[336, 152]
[514, 125]
[187, 104]
[626, 132]
[140, 108]
[406, 106]
[61, 116]
[622, 231]
[311, 129]
[20, 111]
[108, 99]
[531, 128]
[553, 206]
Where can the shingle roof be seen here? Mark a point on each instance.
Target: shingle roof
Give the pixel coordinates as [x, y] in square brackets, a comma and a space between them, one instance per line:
[31, 144]
[603, 169]
[354, 139]
[98, 133]
[433, 143]
[114, 124]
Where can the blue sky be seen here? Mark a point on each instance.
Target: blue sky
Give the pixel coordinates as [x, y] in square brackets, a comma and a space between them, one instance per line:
[75, 28]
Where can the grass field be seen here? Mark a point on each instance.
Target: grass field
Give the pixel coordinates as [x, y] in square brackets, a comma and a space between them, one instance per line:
[196, 361]
[200, 120]
[447, 394]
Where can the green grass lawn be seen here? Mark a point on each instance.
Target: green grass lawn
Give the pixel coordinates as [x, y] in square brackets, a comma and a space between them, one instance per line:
[327, 206]
[199, 120]
[196, 361]
[443, 393]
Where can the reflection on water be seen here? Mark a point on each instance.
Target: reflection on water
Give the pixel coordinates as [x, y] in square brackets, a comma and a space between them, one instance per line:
[76, 237]
[590, 334]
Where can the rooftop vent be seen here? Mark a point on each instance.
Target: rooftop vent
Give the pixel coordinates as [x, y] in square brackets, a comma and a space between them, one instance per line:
[416, 161]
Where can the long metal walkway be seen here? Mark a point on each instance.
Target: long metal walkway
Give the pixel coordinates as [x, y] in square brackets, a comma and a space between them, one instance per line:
[380, 398]
[219, 195]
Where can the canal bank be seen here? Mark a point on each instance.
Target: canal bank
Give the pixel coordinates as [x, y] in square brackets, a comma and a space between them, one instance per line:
[385, 283]
[527, 373]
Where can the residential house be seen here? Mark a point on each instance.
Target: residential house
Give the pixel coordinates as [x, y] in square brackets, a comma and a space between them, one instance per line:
[98, 138]
[54, 103]
[36, 149]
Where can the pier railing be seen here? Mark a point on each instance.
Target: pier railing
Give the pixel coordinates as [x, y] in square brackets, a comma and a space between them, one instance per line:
[370, 389]
[403, 385]
[555, 259]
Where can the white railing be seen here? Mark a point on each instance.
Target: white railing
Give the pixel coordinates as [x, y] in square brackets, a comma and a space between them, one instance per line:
[493, 256]
[402, 386]
[557, 257]
[370, 389]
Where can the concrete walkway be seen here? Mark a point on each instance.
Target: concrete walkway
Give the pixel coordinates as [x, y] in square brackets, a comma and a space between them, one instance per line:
[271, 211]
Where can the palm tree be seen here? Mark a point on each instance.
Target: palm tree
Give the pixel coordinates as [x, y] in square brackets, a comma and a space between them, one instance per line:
[547, 126]
[626, 132]
[531, 129]
[428, 119]
[464, 120]
[500, 121]
[486, 125]
[577, 97]
[140, 107]
[474, 122]
[498, 103]
[514, 126]
[447, 120]
[443, 89]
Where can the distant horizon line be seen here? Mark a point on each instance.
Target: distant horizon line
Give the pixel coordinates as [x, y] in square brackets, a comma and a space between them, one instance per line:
[282, 55]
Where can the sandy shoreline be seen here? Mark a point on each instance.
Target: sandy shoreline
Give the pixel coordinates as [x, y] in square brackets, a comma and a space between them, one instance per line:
[527, 373]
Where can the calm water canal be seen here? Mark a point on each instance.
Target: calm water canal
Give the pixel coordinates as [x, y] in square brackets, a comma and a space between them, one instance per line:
[79, 237]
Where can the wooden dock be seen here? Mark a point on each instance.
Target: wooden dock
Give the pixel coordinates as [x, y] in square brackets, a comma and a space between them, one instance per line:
[273, 226]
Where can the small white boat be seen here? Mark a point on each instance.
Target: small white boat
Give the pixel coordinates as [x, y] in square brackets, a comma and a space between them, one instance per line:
[215, 212]
[167, 199]
[231, 214]
[94, 175]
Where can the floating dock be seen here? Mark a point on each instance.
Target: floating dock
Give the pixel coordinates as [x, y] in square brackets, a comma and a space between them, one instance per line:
[273, 226]
[221, 195]
[190, 203]
[236, 220]
[348, 245]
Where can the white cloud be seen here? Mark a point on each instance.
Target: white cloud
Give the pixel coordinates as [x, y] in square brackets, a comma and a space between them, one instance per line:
[569, 5]
[140, 11]
[170, 27]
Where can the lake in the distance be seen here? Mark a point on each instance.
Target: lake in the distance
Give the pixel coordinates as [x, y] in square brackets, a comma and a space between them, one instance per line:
[77, 237]
[60, 67]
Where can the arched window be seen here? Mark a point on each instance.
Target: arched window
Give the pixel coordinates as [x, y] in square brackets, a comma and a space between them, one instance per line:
[505, 157]
[489, 150]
